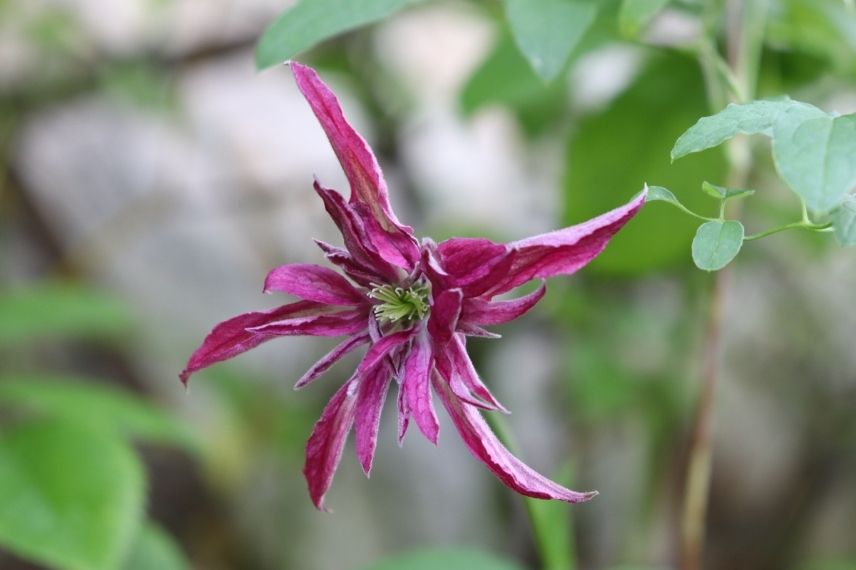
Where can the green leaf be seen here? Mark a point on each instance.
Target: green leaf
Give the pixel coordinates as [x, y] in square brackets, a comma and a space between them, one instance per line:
[723, 193]
[757, 117]
[70, 498]
[94, 404]
[612, 152]
[816, 159]
[551, 522]
[844, 221]
[449, 559]
[60, 309]
[635, 15]
[658, 193]
[312, 21]
[154, 549]
[548, 30]
[716, 244]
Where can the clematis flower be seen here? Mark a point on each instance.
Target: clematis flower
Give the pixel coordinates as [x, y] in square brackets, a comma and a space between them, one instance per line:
[413, 304]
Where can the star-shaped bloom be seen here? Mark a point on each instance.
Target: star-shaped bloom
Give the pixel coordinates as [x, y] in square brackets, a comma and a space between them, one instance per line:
[413, 304]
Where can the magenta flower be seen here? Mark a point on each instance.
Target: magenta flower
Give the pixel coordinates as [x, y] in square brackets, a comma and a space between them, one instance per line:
[413, 303]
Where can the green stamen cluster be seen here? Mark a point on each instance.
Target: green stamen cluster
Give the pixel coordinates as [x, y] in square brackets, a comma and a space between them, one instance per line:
[399, 304]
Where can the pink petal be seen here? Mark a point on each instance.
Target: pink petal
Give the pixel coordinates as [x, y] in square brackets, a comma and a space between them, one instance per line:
[485, 447]
[382, 348]
[325, 445]
[231, 337]
[468, 260]
[444, 315]
[416, 388]
[313, 283]
[373, 390]
[474, 330]
[464, 374]
[485, 313]
[368, 186]
[563, 252]
[330, 324]
[330, 359]
[341, 258]
[353, 230]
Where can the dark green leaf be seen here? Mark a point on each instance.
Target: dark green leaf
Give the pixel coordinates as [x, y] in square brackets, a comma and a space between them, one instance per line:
[844, 221]
[457, 559]
[95, 404]
[548, 30]
[60, 309]
[635, 14]
[716, 244]
[313, 21]
[154, 549]
[70, 498]
[603, 168]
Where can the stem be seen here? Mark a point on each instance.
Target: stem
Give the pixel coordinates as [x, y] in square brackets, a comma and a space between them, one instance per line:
[794, 225]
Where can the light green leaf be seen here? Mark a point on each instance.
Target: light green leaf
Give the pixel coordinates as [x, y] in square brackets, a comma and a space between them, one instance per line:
[844, 221]
[60, 309]
[635, 14]
[70, 498]
[449, 559]
[548, 30]
[716, 244]
[723, 193]
[154, 549]
[602, 167]
[95, 404]
[816, 159]
[551, 521]
[658, 193]
[312, 21]
[757, 117]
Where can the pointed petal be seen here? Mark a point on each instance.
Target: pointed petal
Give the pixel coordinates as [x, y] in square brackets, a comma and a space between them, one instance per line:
[383, 348]
[326, 324]
[231, 337]
[474, 330]
[368, 187]
[444, 315]
[314, 283]
[485, 313]
[468, 260]
[330, 359]
[325, 445]
[342, 259]
[485, 447]
[416, 386]
[463, 370]
[354, 233]
[563, 252]
[373, 390]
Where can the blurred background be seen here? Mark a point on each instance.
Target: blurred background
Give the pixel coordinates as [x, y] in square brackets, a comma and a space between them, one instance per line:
[150, 177]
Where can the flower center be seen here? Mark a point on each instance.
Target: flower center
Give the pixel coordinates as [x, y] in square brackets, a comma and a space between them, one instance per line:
[398, 304]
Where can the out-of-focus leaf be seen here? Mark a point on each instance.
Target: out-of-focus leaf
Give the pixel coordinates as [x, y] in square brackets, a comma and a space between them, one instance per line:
[635, 14]
[829, 565]
[554, 534]
[823, 28]
[605, 168]
[451, 559]
[813, 151]
[844, 221]
[716, 244]
[312, 21]
[505, 78]
[548, 30]
[660, 194]
[60, 309]
[70, 498]
[154, 549]
[94, 404]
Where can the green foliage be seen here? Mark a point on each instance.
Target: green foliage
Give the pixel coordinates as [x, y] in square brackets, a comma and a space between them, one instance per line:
[635, 15]
[70, 497]
[312, 21]
[60, 309]
[505, 78]
[154, 550]
[552, 523]
[722, 193]
[450, 559]
[716, 243]
[613, 152]
[548, 30]
[92, 404]
[812, 150]
[844, 221]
